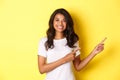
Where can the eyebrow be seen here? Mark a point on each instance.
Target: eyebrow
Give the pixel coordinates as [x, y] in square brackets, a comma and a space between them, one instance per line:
[58, 18]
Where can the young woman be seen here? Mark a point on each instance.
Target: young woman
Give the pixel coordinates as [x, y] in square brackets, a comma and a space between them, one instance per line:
[60, 48]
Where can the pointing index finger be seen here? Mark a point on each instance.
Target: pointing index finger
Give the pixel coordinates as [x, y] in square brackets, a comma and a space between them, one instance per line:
[74, 51]
[103, 40]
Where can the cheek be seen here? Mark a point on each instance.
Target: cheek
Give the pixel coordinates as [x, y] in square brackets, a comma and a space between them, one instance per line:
[54, 23]
[65, 25]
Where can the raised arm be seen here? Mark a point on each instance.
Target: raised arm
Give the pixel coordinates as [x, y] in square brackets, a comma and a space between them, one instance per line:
[79, 64]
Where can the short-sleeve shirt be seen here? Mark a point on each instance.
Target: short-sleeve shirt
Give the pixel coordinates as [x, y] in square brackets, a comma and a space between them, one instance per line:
[60, 50]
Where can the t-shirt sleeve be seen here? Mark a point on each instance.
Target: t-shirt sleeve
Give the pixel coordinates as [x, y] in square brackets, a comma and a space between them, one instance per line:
[41, 48]
[77, 47]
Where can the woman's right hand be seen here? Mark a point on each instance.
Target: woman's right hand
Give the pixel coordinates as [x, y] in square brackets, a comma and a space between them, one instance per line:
[71, 56]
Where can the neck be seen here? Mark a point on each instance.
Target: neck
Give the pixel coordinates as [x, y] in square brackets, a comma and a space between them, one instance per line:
[59, 36]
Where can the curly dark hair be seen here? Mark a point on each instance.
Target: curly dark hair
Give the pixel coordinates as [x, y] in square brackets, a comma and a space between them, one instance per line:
[69, 33]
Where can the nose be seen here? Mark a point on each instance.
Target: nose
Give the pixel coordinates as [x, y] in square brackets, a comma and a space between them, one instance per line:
[60, 23]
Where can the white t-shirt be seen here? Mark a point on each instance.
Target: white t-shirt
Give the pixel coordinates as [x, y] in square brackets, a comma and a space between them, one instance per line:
[63, 72]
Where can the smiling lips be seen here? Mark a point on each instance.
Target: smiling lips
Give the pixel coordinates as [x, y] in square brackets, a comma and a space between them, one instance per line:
[60, 27]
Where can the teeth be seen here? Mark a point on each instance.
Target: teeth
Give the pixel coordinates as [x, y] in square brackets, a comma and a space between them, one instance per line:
[60, 27]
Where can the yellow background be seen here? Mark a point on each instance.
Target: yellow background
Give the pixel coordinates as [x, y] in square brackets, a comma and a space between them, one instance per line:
[24, 22]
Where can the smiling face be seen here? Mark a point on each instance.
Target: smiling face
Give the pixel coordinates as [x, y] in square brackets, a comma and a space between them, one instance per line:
[59, 23]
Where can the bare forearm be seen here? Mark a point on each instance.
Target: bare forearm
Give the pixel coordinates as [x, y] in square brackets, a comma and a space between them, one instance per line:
[50, 66]
[85, 61]
[46, 67]
[96, 50]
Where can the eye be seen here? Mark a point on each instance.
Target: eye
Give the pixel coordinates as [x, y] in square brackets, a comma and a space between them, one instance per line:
[56, 19]
[64, 20]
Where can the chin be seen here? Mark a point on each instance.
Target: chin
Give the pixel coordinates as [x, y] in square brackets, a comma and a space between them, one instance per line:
[60, 31]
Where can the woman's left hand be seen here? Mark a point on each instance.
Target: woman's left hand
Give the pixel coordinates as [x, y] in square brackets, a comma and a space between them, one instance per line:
[99, 47]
